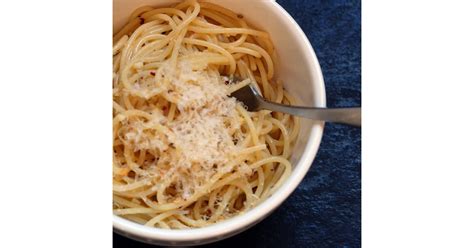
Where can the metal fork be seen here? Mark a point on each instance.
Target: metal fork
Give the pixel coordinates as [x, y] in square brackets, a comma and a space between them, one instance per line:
[250, 97]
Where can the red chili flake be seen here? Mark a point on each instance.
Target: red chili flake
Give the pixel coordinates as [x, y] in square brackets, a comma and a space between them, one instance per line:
[152, 73]
[240, 16]
[142, 20]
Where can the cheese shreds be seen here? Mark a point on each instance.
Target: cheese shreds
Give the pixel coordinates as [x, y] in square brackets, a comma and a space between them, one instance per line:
[200, 140]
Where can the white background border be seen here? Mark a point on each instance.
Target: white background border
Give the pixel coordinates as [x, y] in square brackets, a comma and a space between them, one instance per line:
[56, 137]
[418, 129]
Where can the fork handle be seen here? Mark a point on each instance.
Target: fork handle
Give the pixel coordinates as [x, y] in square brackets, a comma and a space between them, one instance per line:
[349, 116]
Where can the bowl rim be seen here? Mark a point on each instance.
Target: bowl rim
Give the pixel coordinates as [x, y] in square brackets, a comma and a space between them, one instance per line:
[263, 209]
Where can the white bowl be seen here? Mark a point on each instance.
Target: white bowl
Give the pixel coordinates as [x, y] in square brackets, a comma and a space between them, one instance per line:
[299, 69]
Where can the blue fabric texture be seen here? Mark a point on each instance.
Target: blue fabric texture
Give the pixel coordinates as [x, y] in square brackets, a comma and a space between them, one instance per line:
[325, 210]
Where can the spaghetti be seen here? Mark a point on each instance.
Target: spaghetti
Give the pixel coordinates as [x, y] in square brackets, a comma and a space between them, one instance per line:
[186, 154]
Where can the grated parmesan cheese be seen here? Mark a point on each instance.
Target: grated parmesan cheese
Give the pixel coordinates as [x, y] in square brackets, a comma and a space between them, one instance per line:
[199, 142]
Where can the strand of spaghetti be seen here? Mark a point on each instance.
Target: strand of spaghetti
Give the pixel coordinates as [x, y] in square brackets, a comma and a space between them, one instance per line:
[276, 142]
[267, 89]
[284, 137]
[160, 196]
[245, 50]
[132, 186]
[165, 18]
[277, 185]
[128, 155]
[233, 200]
[252, 149]
[117, 119]
[151, 47]
[160, 57]
[218, 49]
[131, 25]
[133, 194]
[278, 172]
[223, 204]
[141, 157]
[201, 55]
[219, 9]
[214, 60]
[137, 219]
[186, 3]
[259, 123]
[170, 11]
[171, 112]
[221, 19]
[294, 129]
[116, 64]
[119, 45]
[139, 210]
[126, 53]
[271, 144]
[236, 43]
[190, 222]
[260, 180]
[175, 223]
[245, 187]
[147, 38]
[225, 181]
[266, 44]
[126, 101]
[239, 85]
[151, 204]
[136, 89]
[146, 192]
[267, 127]
[162, 224]
[245, 61]
[249, 123]
[138, 113]
[153, 65]
[118, 108]
[138, 12]
[296, 121]
[279, 91]
[240, 68]
[159, 217]
[273, 159]
[176, 19]
[159, 29]
[177, 46]
[197, 208]
[212, 199]
[230, 31]
[266, 56]
[120, 171]
[124, 202]
[175, 31]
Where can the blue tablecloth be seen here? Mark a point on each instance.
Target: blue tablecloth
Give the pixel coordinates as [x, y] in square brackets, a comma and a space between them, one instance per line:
[325, 210]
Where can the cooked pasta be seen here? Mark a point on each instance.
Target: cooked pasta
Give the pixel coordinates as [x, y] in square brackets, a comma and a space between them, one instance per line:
[185, 153]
